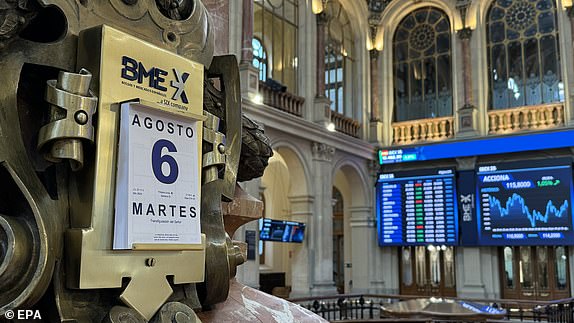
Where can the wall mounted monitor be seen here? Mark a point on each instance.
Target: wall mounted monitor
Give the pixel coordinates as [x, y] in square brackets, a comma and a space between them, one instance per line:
[417, 208]
[281, 231]
[526, 203]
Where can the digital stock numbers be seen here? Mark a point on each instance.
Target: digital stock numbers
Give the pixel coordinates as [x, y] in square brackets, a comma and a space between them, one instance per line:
[520, 206]
[417, 208]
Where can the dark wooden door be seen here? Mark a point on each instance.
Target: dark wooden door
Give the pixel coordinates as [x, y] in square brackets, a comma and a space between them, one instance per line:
[427, 271]
[535, 272]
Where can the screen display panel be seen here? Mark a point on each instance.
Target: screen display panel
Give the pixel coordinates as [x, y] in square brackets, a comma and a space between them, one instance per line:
[281, 231]
[417, 208]
[524, 204]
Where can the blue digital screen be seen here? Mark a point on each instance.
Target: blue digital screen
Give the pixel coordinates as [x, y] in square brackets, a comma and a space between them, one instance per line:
[281, 231]
[524, 206]
[417, 208]
[478, 147]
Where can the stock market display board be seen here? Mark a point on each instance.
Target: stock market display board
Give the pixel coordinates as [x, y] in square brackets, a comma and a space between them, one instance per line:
[417, 208]
[524, 206]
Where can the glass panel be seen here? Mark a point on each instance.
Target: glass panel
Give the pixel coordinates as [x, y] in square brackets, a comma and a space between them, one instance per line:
[497, 32]
[340, 99]
[504, 3]
[449, 279]
[561, 273]
[290, 12]
[443, 43]
[509, 267]
[423, 87]
[275, 26]
[401, 52]
[416, 106]
[340, 46]
[515, 81]
[442, 25]
[409, 22]
[429, 77]
[434, 16]
[402, 34]
[529, 30]
[421, 274]
[546, 22]
[496, 14]
[407, 274]
[421, 15]
[542, 262]
[544, 4]
[533, 84]
[435, 272]
[444, 87]
[525, 267]
[551, 84]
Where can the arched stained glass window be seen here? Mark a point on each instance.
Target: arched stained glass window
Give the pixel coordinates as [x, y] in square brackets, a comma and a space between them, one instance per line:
[275, 24]
[422, 66]
[338, 58]
[260, 58]
[523, 55]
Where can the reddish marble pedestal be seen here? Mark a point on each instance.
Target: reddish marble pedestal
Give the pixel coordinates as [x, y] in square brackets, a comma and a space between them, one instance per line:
[246, 304]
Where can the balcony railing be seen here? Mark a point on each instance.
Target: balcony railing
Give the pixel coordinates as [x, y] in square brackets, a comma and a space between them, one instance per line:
[282, 100]
[366, 307]
[432, 129]
[526, 118]
[345, 125]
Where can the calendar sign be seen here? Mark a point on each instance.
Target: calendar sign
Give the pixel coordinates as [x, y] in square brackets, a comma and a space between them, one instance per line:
[158, 187]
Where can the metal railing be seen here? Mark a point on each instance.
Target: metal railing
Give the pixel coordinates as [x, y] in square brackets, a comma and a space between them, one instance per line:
[366, 307]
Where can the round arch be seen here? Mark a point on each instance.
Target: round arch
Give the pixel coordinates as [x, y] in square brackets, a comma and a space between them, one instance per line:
[352, 185]
[296, 164]
[358, 10]
[356, 181]
[397, 10]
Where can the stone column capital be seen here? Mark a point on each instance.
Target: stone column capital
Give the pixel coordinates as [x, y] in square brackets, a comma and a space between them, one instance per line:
[464, 33]
[322, 18]
[323, 152]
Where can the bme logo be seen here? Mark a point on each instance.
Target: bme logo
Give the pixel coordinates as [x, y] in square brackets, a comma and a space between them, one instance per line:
[135, 71]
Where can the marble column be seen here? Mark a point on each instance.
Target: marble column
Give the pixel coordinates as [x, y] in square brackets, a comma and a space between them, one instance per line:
[374, 56]
[375, 126]
[363, 249]
[322, 229]
[477, 272]
[248, 73]
[301, 211]
[247, 35]
[467, 118]
[219, 13]
[322, 20]
[322, 110]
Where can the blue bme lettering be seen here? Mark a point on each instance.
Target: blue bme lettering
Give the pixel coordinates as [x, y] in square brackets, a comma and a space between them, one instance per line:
[135, 71]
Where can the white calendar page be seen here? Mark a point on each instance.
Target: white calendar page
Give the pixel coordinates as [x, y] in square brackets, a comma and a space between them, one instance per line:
[158, 188]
